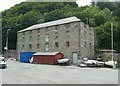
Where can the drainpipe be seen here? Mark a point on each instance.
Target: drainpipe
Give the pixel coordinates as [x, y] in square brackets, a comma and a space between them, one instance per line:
[79, 40]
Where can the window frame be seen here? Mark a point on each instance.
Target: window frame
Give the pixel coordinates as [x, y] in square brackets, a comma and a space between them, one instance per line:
[46, 37]
[38, 46]
[67, 44]
[30, 46]
[57, 44]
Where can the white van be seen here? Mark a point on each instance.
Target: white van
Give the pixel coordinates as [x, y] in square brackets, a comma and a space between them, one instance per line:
[2, 63]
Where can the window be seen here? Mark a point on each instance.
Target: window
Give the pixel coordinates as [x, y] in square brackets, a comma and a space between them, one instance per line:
[23, 47]
[30, 32]
[46, 29]
[56, 28]
[23, 33]
[85, 44]
[46, 46]
[90, 45]
[67, 34]
[38, 30]
[38, 45]
[38, 37]
[30, 46]
[68, 44]
[46, 38]
[56, 44]
[30, 38]
[23, 39]
[56, 35]
[67, 26]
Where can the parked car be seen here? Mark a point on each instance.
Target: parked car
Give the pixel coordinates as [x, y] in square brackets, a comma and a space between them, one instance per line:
[64, 62]
[90, 63]
[2, 62]
[87, 63]
[110, 63]
[100, 64]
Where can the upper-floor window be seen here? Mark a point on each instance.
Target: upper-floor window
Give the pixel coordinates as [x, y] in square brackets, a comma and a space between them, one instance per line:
[38, 46]
[23, 33]
[30, 38]
[85, 45]
[23, 38]
[67, 26]
[67, 43]
[67, 34]
[46, 38]
[38, 30]
[56, 44]
[46, 29]
[30, 32]
[38, 37]
[90, 45]
[56, 35]
[56, 28]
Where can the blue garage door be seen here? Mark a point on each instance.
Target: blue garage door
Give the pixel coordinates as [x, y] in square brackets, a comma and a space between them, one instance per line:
[25, 56]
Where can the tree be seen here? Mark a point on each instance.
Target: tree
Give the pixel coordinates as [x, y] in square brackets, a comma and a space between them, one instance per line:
[26, 14]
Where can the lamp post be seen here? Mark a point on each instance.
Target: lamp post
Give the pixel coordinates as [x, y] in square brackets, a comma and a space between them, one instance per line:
[112, 46]
[7, 42]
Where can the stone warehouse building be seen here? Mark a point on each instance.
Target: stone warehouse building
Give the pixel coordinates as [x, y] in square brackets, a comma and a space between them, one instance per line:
[69, 36]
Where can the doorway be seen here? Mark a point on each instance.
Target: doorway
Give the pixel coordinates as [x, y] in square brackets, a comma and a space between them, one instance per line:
[75, 58]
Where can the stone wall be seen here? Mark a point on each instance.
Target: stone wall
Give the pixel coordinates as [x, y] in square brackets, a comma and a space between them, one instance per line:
[69, 37]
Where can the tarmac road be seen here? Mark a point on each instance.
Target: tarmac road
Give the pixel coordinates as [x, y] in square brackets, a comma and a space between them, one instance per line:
[26, 73]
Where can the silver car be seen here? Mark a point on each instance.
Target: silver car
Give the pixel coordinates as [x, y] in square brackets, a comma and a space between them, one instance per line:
[2, 63]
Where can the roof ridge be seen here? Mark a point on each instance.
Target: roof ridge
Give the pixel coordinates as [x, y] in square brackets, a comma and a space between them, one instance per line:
[46, 53]
[52, 23]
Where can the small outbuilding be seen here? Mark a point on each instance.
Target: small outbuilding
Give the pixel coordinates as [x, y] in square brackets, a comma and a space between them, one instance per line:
[47, 57]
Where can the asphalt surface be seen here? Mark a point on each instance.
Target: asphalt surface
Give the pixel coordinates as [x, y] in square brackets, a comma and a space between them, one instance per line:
[26, 73]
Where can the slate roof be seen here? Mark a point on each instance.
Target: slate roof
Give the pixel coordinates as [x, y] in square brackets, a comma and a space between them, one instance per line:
[45, 53]
[52, 23]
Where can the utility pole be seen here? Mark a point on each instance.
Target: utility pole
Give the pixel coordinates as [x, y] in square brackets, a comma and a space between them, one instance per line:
[7, 43]
[112, 46]
[94, 2]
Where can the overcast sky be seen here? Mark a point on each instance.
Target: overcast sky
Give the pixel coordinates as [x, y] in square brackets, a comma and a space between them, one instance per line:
[6, 4]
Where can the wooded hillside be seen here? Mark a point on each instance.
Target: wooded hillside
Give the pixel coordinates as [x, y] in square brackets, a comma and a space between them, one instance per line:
[29, 13]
